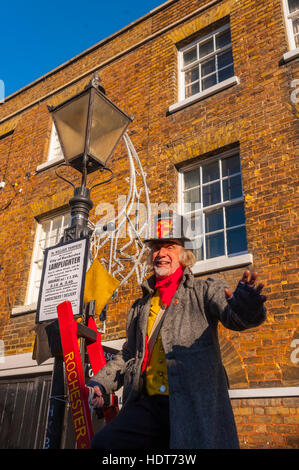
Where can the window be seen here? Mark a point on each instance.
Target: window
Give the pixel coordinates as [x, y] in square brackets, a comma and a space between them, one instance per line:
[55, 151]
[49, 232]
[292, 21]
[206, 62]
[213, 203]
[55, 154]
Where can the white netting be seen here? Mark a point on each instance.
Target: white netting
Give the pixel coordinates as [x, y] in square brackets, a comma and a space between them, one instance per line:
[126, 253]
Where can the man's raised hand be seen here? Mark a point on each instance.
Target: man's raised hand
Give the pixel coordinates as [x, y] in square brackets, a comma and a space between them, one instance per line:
[248, 281]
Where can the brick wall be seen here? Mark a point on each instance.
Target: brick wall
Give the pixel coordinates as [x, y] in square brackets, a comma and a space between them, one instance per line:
[267, 423]
[138, 68]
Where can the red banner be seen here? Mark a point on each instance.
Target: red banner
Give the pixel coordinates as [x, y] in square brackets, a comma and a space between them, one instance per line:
[78, 392]
[95, 349]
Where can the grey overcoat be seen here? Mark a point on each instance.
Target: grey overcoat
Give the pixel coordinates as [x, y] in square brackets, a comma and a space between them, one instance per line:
[201, 416]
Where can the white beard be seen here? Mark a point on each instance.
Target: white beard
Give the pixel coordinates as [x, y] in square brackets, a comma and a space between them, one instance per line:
[162, 271]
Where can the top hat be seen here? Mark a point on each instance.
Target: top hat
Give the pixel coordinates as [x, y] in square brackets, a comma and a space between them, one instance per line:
[170, 226]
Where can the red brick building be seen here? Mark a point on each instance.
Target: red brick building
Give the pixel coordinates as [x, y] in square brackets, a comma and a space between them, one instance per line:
[213, 86]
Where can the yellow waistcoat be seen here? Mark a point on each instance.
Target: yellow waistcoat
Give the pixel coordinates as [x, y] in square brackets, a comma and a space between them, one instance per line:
[156, 371]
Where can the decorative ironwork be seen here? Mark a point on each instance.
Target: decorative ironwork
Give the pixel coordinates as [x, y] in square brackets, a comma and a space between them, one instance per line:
[122, 263]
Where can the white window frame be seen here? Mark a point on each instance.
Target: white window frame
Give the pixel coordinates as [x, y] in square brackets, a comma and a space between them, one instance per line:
[55, 155]
[293, 51]
[289, 23]
[182, 101]
[228, 260]
[182, 69]
[35, 272]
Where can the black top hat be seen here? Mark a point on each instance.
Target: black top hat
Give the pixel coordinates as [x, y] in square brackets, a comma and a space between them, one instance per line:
[170, 226]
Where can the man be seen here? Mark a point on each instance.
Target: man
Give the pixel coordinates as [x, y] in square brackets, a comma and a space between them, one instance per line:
[175, 388]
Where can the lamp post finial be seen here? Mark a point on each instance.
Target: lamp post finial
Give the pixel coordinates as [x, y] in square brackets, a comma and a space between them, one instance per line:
[96, 82]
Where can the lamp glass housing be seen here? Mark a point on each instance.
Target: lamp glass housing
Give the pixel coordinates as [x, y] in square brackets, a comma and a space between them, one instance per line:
[89, 124]
[107, 126]
[71, 123]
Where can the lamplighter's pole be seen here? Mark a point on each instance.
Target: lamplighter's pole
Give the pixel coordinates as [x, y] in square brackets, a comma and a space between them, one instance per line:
[81, 205]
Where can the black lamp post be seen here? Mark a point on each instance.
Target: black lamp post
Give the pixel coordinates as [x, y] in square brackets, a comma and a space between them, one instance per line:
[89, 126]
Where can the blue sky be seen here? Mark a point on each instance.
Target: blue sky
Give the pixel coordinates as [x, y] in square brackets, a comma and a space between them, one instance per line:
[37, 36]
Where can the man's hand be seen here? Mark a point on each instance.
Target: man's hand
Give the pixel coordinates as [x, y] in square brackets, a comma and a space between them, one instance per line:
[248, 283]
[98, 400]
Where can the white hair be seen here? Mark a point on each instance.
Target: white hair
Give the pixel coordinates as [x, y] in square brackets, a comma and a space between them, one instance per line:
[186, 257]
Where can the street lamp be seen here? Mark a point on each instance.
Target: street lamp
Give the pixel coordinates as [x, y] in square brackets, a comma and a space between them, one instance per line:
[89, 127]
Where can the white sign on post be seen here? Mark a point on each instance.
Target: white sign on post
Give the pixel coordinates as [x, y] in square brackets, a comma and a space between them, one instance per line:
[63, 278]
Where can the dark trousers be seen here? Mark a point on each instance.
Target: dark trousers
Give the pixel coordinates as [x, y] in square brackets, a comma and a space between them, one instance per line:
[143, 424]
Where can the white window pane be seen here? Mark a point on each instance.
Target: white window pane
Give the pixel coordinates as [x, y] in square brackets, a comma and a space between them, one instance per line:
[192, 75]
[192, 195]
[207, 67]
[42, 244]
[66, 221]
[293, 5]
[53, 240]
[224, 59]
[45, 233]
[232, 188]
[215, 245]
[296, 31]
[198, 248]
[235, 215]
[40, 264]
[196, 224]
[56, 229]
[190, 56]
[45, 227]
[223, 39]
[191, 178]
[206, 48]
[211, 194]
[231, 165]
[210, 172]
[214, 220]
[55, 150]
[192, 89]
[53, 229]
[236, 240]
[192, 200]
[208, 82]
[49, 233]
[47, 239]
[226, 73]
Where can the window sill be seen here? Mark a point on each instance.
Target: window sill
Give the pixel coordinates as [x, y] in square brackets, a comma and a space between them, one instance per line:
[204, 94]
[23, 364]
[291, 55]
[223, 262]
[49, 164]
[22, 309]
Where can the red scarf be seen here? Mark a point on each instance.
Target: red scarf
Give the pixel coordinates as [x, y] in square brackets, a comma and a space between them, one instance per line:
[167, 286]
